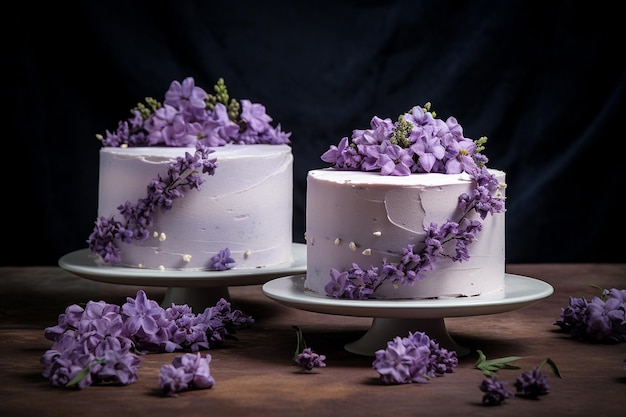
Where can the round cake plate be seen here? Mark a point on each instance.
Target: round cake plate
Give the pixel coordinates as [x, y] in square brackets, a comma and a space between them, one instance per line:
[198, 289]
[393, 318]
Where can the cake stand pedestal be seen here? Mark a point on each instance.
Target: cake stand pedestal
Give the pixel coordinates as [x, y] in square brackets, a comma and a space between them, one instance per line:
[197, 289]
[197, 298]
[393, 318]
[385, 329]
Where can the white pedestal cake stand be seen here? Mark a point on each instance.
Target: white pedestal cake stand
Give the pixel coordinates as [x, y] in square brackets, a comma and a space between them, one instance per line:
[399, 317]
[198, 289]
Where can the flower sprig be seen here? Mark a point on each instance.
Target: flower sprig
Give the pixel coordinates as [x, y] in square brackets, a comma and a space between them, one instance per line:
[413, 359]
[417, 143]
[182, 174]
[304, 355]
[600, 320]
[530, 384]
[101, 343]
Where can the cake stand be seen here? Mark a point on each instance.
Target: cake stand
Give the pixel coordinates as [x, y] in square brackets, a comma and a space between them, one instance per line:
[393, 318]
[197, 289]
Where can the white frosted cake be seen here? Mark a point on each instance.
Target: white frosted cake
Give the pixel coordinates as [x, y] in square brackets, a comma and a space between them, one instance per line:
[409, 219]
[198, 182]
[245, 206]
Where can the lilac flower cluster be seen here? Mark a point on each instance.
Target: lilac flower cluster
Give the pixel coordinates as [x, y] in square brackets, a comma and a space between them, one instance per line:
[304, 355]
[602, 319]
[417, 143]
[308, 359]
[184, 173]
[189, 115]
[100, 343]
[530, 384]
[189, 371]
[495, 391]
[416, 358]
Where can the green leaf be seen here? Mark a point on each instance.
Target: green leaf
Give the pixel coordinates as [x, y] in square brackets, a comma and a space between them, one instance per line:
[301, 343]
[552, 365]
[79, 377]
[489, 367]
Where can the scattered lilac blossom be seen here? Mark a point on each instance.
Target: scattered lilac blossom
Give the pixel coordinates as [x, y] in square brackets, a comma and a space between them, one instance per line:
[417, 143]
[189, 371]
[495, 391]
[305, 356]
[309, 359]
[102, 343]
[532, 384]
[413, 359]
[601, 319]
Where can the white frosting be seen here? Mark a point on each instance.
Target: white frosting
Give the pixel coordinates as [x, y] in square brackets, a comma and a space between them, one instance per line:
[246, 206]
[364, 217]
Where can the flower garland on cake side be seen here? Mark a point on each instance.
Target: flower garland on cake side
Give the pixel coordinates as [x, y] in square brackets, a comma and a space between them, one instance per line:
[187, 117]
[417, 143]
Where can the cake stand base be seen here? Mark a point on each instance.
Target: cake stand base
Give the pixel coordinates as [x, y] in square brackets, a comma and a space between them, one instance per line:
[196, 298]
[384, 330]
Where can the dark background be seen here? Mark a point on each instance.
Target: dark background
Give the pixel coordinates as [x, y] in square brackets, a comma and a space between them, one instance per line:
[544, 81]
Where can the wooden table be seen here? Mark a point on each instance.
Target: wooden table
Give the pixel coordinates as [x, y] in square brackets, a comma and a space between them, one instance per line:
[255, 376]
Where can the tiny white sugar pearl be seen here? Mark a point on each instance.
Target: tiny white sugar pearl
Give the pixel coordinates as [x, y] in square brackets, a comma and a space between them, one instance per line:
[352, 246]
[246, 254]
[161, 267]
[367, 252]
[337, 241]
[162, 237]
[186, 258]
[377, 233]
[155, 234]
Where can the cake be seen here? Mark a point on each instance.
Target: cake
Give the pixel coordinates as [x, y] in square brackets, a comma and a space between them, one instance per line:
[198, 182]
[407, 210]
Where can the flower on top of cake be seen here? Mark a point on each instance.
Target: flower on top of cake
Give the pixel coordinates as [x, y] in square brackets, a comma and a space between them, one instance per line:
[417, 143]
[189, 117]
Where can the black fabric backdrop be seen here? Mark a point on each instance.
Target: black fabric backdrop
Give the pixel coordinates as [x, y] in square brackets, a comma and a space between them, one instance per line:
[544, 81]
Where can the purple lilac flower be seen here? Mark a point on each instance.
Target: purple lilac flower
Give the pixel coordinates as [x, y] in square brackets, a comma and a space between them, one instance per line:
[532, 384]
[601, 319]
[221, 261]
[495, 391]
[413, 359]
[308, 359]
[428, 149]
[97, 344]
[304, 355]
[187, 372]
[145, 322]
